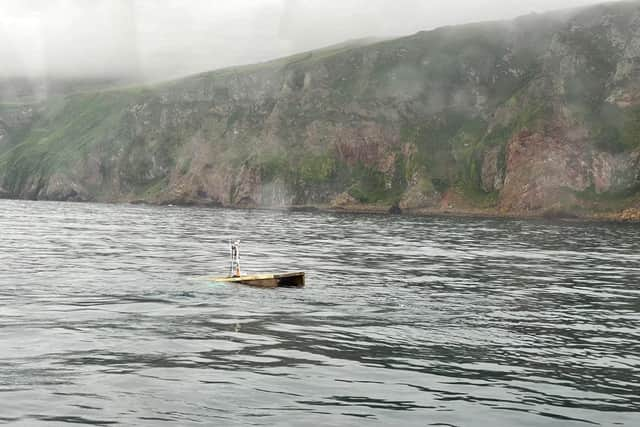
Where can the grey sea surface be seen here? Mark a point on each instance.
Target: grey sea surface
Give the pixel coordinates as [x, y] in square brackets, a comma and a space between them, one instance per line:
[106, 318]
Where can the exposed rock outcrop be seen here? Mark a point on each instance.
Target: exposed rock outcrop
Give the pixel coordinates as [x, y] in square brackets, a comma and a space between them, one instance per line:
[492, 177]
[615, 173]
[544, 171]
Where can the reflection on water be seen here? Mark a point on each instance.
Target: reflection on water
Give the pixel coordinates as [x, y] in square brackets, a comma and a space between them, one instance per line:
[105, 319]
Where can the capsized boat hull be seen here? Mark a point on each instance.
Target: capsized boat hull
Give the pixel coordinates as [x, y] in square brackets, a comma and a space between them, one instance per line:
[289, 280]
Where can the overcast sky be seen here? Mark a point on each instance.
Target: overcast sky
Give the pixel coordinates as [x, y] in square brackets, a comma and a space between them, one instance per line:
[166, 38]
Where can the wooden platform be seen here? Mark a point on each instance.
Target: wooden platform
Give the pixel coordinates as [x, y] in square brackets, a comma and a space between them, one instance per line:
[288, 280]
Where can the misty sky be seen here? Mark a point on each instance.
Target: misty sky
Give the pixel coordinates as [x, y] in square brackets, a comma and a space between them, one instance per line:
[165, 38]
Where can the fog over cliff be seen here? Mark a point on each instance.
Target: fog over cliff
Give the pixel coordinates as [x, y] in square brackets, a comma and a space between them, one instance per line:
[158, 39]
[539, 115]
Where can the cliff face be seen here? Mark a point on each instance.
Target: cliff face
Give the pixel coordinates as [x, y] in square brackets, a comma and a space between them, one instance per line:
[537, 115]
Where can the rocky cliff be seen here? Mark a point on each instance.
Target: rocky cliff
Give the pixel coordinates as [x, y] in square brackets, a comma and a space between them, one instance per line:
[536, 116]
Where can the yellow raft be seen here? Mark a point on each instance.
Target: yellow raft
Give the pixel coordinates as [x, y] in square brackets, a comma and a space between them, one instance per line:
[286, 280]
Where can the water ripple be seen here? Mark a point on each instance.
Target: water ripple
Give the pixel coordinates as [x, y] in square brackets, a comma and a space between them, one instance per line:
[105, 319]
